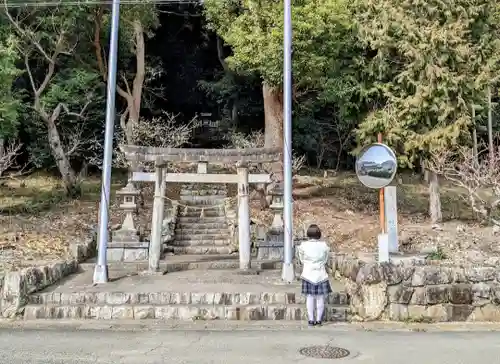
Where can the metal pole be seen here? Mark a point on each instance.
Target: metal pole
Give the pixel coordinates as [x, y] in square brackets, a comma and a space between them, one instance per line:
[101, 268]
[381, 198]
[288, 274]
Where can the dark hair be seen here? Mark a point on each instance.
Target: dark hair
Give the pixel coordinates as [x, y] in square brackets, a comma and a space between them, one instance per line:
[313, 232]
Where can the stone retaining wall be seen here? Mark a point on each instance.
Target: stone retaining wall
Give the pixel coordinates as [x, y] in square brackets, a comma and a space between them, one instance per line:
[16, 286]
[83, 250]
[419, 292]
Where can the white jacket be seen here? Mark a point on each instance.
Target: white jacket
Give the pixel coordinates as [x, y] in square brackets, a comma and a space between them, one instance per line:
[313, 254]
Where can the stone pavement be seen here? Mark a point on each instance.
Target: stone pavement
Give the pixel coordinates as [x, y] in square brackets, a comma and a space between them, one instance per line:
[260, 343]
[184, 295]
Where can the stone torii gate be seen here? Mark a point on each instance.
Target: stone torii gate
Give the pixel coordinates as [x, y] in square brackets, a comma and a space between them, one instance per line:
[161, 157]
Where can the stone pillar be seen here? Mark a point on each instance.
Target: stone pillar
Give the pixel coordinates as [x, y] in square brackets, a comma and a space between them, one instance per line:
[391, 217]
[243, 218]
[202, 167]
[277, 208]
[155, 245]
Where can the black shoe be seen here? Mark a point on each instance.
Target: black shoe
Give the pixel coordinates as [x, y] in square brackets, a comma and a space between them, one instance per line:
[317, 323]
[311, 323]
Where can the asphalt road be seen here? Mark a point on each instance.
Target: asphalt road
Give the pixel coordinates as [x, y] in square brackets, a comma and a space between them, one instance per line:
[253, 346]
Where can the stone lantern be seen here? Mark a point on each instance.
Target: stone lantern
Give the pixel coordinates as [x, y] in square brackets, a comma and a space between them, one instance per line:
[273, 246]
[126, 244]
[129, 205]
[277, 208]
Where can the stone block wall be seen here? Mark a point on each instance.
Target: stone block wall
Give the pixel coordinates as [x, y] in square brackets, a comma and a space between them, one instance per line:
[85, 249]
[16, 286]
[419, 292]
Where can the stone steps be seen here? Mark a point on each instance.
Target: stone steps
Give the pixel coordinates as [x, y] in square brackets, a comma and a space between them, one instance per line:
[206, 237]
[207, 234]
[199, 242]
[180, 312]
[203, 192]
[199, 249]
[202, 226]
[202, 200]
[217, 262]
[209, 213]
[176, 298]
[197, 220]
[193, 231]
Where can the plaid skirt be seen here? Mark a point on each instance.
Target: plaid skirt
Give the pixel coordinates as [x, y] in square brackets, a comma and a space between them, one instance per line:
[316, 289]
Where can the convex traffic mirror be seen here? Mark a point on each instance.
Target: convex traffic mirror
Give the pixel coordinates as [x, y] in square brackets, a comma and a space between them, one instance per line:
[376, 166]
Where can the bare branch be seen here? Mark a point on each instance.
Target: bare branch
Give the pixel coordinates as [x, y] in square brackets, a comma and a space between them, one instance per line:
[8, 155]
[25, 34]
[28, 69]
[74, 142]
[128, 92]
[480, 182]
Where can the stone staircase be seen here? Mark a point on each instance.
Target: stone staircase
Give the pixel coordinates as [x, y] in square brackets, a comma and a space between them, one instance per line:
[202, 229]
[186, 295]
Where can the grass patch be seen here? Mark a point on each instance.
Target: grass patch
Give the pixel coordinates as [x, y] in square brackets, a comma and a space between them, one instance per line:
[39, 193]
[439, 254]
[413, 196]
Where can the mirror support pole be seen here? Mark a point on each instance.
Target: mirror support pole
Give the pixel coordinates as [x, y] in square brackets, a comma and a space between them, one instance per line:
[381, 198]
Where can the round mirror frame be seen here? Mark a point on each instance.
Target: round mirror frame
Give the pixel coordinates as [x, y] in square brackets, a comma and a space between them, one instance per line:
[366, 175]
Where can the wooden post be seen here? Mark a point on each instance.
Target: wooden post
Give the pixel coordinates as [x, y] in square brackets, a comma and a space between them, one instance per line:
[381, 198]
[474, 138]
[491, 149]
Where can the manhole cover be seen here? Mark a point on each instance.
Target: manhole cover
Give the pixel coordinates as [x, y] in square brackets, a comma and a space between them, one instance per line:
[324, 352]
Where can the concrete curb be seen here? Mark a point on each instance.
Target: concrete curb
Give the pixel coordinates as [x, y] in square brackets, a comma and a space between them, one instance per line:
[173, 325]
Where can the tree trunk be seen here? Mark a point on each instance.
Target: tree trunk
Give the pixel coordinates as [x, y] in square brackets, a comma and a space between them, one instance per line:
[140, 72]
[273, 113]
[63, 164]
[230, 74]
[2, 148]
[425, 172]
[434, 199]
[2, 153]
[133, 96]
[132, 121]
[234, 114]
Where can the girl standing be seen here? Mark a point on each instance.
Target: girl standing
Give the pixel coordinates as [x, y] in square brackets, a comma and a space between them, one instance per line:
[314, 254]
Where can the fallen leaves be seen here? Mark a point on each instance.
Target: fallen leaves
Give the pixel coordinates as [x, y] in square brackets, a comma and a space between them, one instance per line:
[346, 212]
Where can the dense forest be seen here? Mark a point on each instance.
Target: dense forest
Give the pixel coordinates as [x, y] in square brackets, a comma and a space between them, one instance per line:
[421, 72]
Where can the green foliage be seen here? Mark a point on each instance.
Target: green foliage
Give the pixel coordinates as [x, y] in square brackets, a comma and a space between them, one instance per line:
[432, 60]
[254, 30]
[324, 73]
[9, 104]
[46, 35]
[74, 88]
[146, 14]
[68, 87]
[412, 69]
